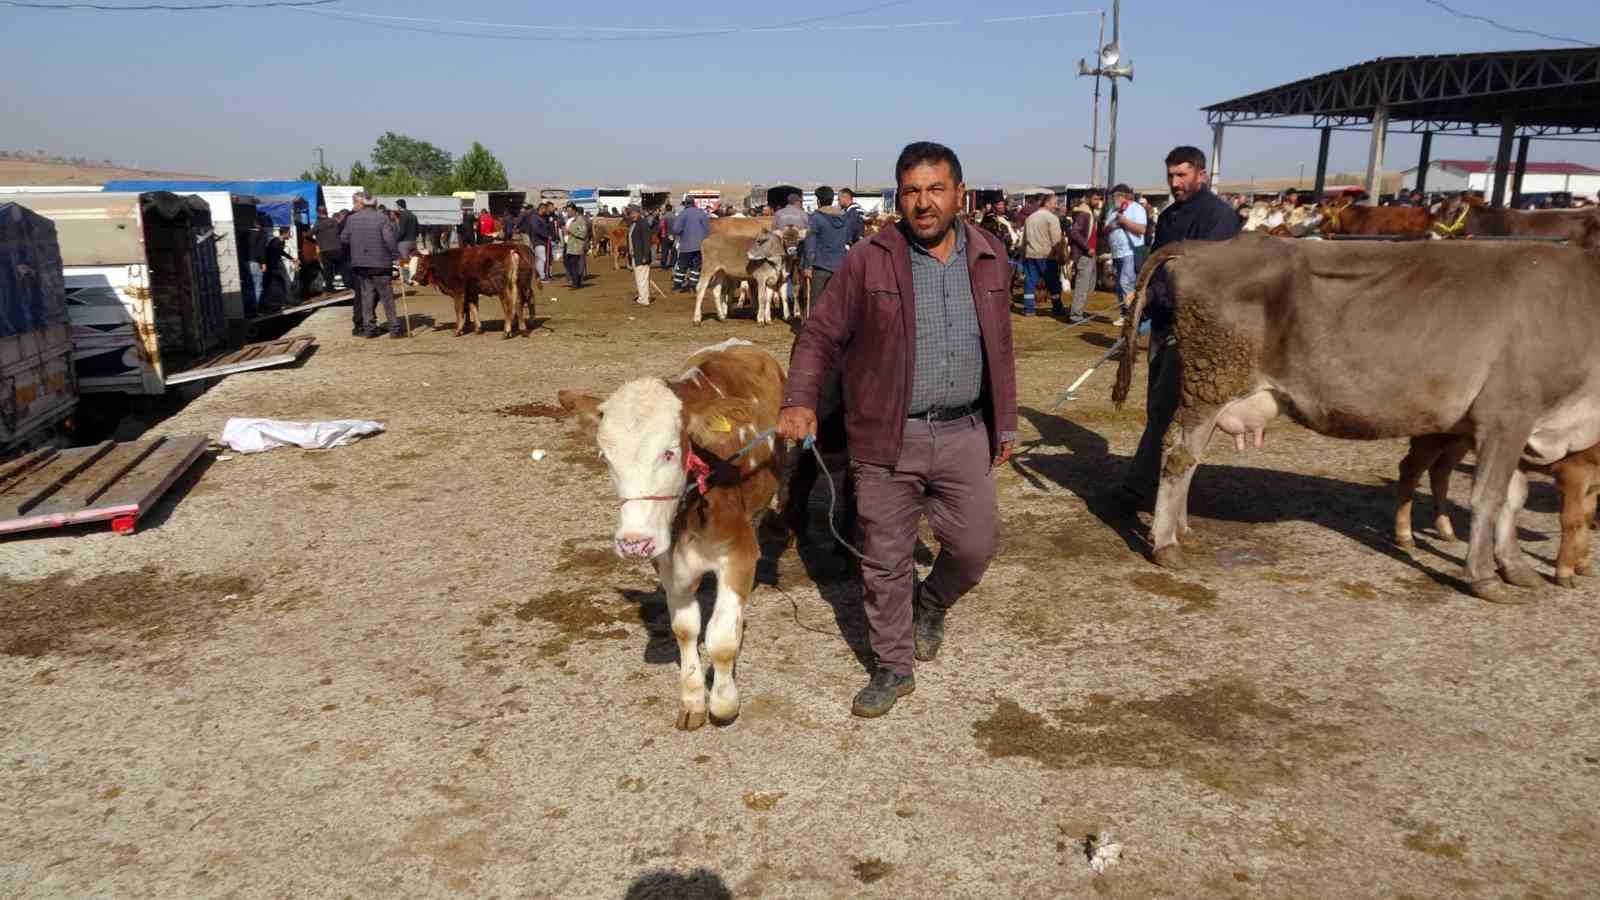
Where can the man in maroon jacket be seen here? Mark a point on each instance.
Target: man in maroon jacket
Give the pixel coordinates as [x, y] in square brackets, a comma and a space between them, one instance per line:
[919, 321]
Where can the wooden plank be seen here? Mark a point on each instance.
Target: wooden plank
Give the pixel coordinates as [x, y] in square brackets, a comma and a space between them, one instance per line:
[28, 492]
[85, 489]
[23, 464]
[321, 301]
[154, 474]
[245, 359]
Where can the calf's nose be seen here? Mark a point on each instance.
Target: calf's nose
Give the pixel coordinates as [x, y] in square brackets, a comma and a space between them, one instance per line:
[635, 546]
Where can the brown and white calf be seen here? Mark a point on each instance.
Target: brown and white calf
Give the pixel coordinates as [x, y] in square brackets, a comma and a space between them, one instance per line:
[687, 504]
[1577, 478]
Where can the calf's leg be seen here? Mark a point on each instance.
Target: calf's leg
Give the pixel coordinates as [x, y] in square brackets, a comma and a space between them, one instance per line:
[736, 578]
[461, 314]
[700, 293]
[510, 308]
[1573, 477]
[1425, 452]
[1439, 480]
[679, 580]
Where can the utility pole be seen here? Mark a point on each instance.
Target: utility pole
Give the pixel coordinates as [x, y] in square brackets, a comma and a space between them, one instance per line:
[856, 185]
[1094, 139]
[1111, 65]
[320, 164]
[1301, 181]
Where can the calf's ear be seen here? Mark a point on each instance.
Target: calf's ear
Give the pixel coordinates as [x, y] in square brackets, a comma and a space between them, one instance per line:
[587, 408]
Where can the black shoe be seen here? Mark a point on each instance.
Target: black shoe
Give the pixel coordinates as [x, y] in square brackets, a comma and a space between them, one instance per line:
[355, 331]
[927, 622]
[370, 333]
[881, 692]
[397, 333]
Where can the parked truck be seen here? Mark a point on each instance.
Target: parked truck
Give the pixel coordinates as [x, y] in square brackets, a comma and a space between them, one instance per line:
[38, 391]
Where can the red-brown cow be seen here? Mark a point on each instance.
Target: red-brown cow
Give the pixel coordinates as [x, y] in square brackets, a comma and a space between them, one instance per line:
[465, 272]
[1370, 220]
[1467, 216]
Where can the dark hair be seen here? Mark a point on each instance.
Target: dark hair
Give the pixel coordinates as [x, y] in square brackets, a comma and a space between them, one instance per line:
[927, 153]
[824, 196]
[1122, 188]
[400, 203]
[845, 190]
[1187, 154]
[792, 199]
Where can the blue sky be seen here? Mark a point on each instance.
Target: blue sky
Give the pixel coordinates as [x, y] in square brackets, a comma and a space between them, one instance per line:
[250, 92]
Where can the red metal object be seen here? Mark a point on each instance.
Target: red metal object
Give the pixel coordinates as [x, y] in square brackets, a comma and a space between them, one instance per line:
[123, 524]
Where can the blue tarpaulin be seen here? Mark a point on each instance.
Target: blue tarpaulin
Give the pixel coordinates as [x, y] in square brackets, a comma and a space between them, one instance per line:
[32, 290]
[308, 191]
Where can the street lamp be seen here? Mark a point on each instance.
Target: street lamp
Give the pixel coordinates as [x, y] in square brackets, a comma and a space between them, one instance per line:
[1112, 66]
[856, 185]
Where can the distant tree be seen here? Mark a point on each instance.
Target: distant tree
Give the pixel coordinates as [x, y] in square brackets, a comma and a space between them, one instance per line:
[441, 187]
[395, 182]
[478, 170]
[359, 174]
[321, 175]
[396, 153]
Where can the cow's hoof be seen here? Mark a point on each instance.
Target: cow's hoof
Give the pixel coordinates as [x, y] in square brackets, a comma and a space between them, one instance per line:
[1405, 541]
[690, 719]
[1491, 590]
[724, 722]
[460, 332]
[507, 336]
[1169, 557]
[1449, 535]
[1584, 569]
[1567, 581]
[1521, 576]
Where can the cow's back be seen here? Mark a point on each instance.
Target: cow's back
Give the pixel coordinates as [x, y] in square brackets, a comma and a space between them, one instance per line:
[1384, 339]
[747, 227]
[745, 373]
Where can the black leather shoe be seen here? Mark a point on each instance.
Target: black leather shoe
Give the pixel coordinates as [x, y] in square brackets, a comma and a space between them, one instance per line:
[881, 692]
[927, 623]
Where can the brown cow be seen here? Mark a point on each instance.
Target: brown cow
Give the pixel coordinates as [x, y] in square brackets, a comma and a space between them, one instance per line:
[1468, 333]
[465, 272]
[1374, 220]
[730, 263]
[749, 227]
[602, 228]
[1577, 478]
[1468, 216]
[688, 500]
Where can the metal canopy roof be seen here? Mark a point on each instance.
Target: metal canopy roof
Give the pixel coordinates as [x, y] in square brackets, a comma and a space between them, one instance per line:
[1545, 93]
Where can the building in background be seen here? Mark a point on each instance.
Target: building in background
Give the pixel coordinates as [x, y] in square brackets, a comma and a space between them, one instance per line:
[1453, 175]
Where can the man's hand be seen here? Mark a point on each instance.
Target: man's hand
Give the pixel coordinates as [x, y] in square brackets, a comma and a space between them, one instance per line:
[1005, 454]
[796, 423]
[806, 271]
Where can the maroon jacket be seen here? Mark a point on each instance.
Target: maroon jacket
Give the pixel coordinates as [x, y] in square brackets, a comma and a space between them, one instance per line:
[865, 325]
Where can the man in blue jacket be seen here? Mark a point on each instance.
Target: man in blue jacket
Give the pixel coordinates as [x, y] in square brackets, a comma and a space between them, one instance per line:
[1196, 214]
[829, 231]
[689, 231]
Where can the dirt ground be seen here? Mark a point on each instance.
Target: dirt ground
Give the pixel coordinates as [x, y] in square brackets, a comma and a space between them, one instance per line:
[412, 667]
[60, 172]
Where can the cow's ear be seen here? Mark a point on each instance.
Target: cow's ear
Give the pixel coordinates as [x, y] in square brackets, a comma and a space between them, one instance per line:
[586, 407]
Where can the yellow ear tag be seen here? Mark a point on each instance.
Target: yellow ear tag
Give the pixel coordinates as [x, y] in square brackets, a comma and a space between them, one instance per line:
[719, 423]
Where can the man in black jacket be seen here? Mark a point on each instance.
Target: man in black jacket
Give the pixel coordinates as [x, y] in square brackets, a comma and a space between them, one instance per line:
[407, 238]
[639, 253]
[1196, 214]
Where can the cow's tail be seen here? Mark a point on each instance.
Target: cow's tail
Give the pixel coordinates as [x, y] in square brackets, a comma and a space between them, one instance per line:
[1130, 322]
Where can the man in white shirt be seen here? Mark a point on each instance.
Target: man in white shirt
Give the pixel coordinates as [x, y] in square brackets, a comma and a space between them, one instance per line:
[1127, 221]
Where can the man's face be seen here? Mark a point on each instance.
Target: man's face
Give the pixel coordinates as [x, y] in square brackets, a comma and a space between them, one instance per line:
[1185, 181]
[1050, 203]
[928, 199]
[846, 198]
[1096, 201]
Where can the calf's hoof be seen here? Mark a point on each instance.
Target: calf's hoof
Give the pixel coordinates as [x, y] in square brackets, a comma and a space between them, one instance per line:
[1584, 569]
[690, 719]
[1405, 540]
[1169, 557]
[1491, 590]
[1567, 581]
[507, 336]
[725, 721]
[1520, 576]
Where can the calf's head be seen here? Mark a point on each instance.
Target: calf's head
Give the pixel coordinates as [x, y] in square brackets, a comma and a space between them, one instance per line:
[642, 438]
[424, 273]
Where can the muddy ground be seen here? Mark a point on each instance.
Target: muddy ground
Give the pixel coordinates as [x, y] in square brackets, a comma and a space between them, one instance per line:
[412, 667]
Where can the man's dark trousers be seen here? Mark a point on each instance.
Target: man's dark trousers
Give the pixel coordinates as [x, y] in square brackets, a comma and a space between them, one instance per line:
[577, 266]
[669, 253]
[335, 262]
[943, 473]
[686, 275]
[1161, 404]
[375, 287]
[355, 301]
[819, 282]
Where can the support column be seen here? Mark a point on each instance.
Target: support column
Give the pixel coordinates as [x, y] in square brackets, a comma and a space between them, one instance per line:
[1216, 156]
[1322, 163]
[1380, 138]
[1423, 161]
[1502, 162]
[1522, 167]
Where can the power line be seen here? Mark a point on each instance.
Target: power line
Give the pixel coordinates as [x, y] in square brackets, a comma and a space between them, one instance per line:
[145, 7]
[1504, 27]
[609, 33]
